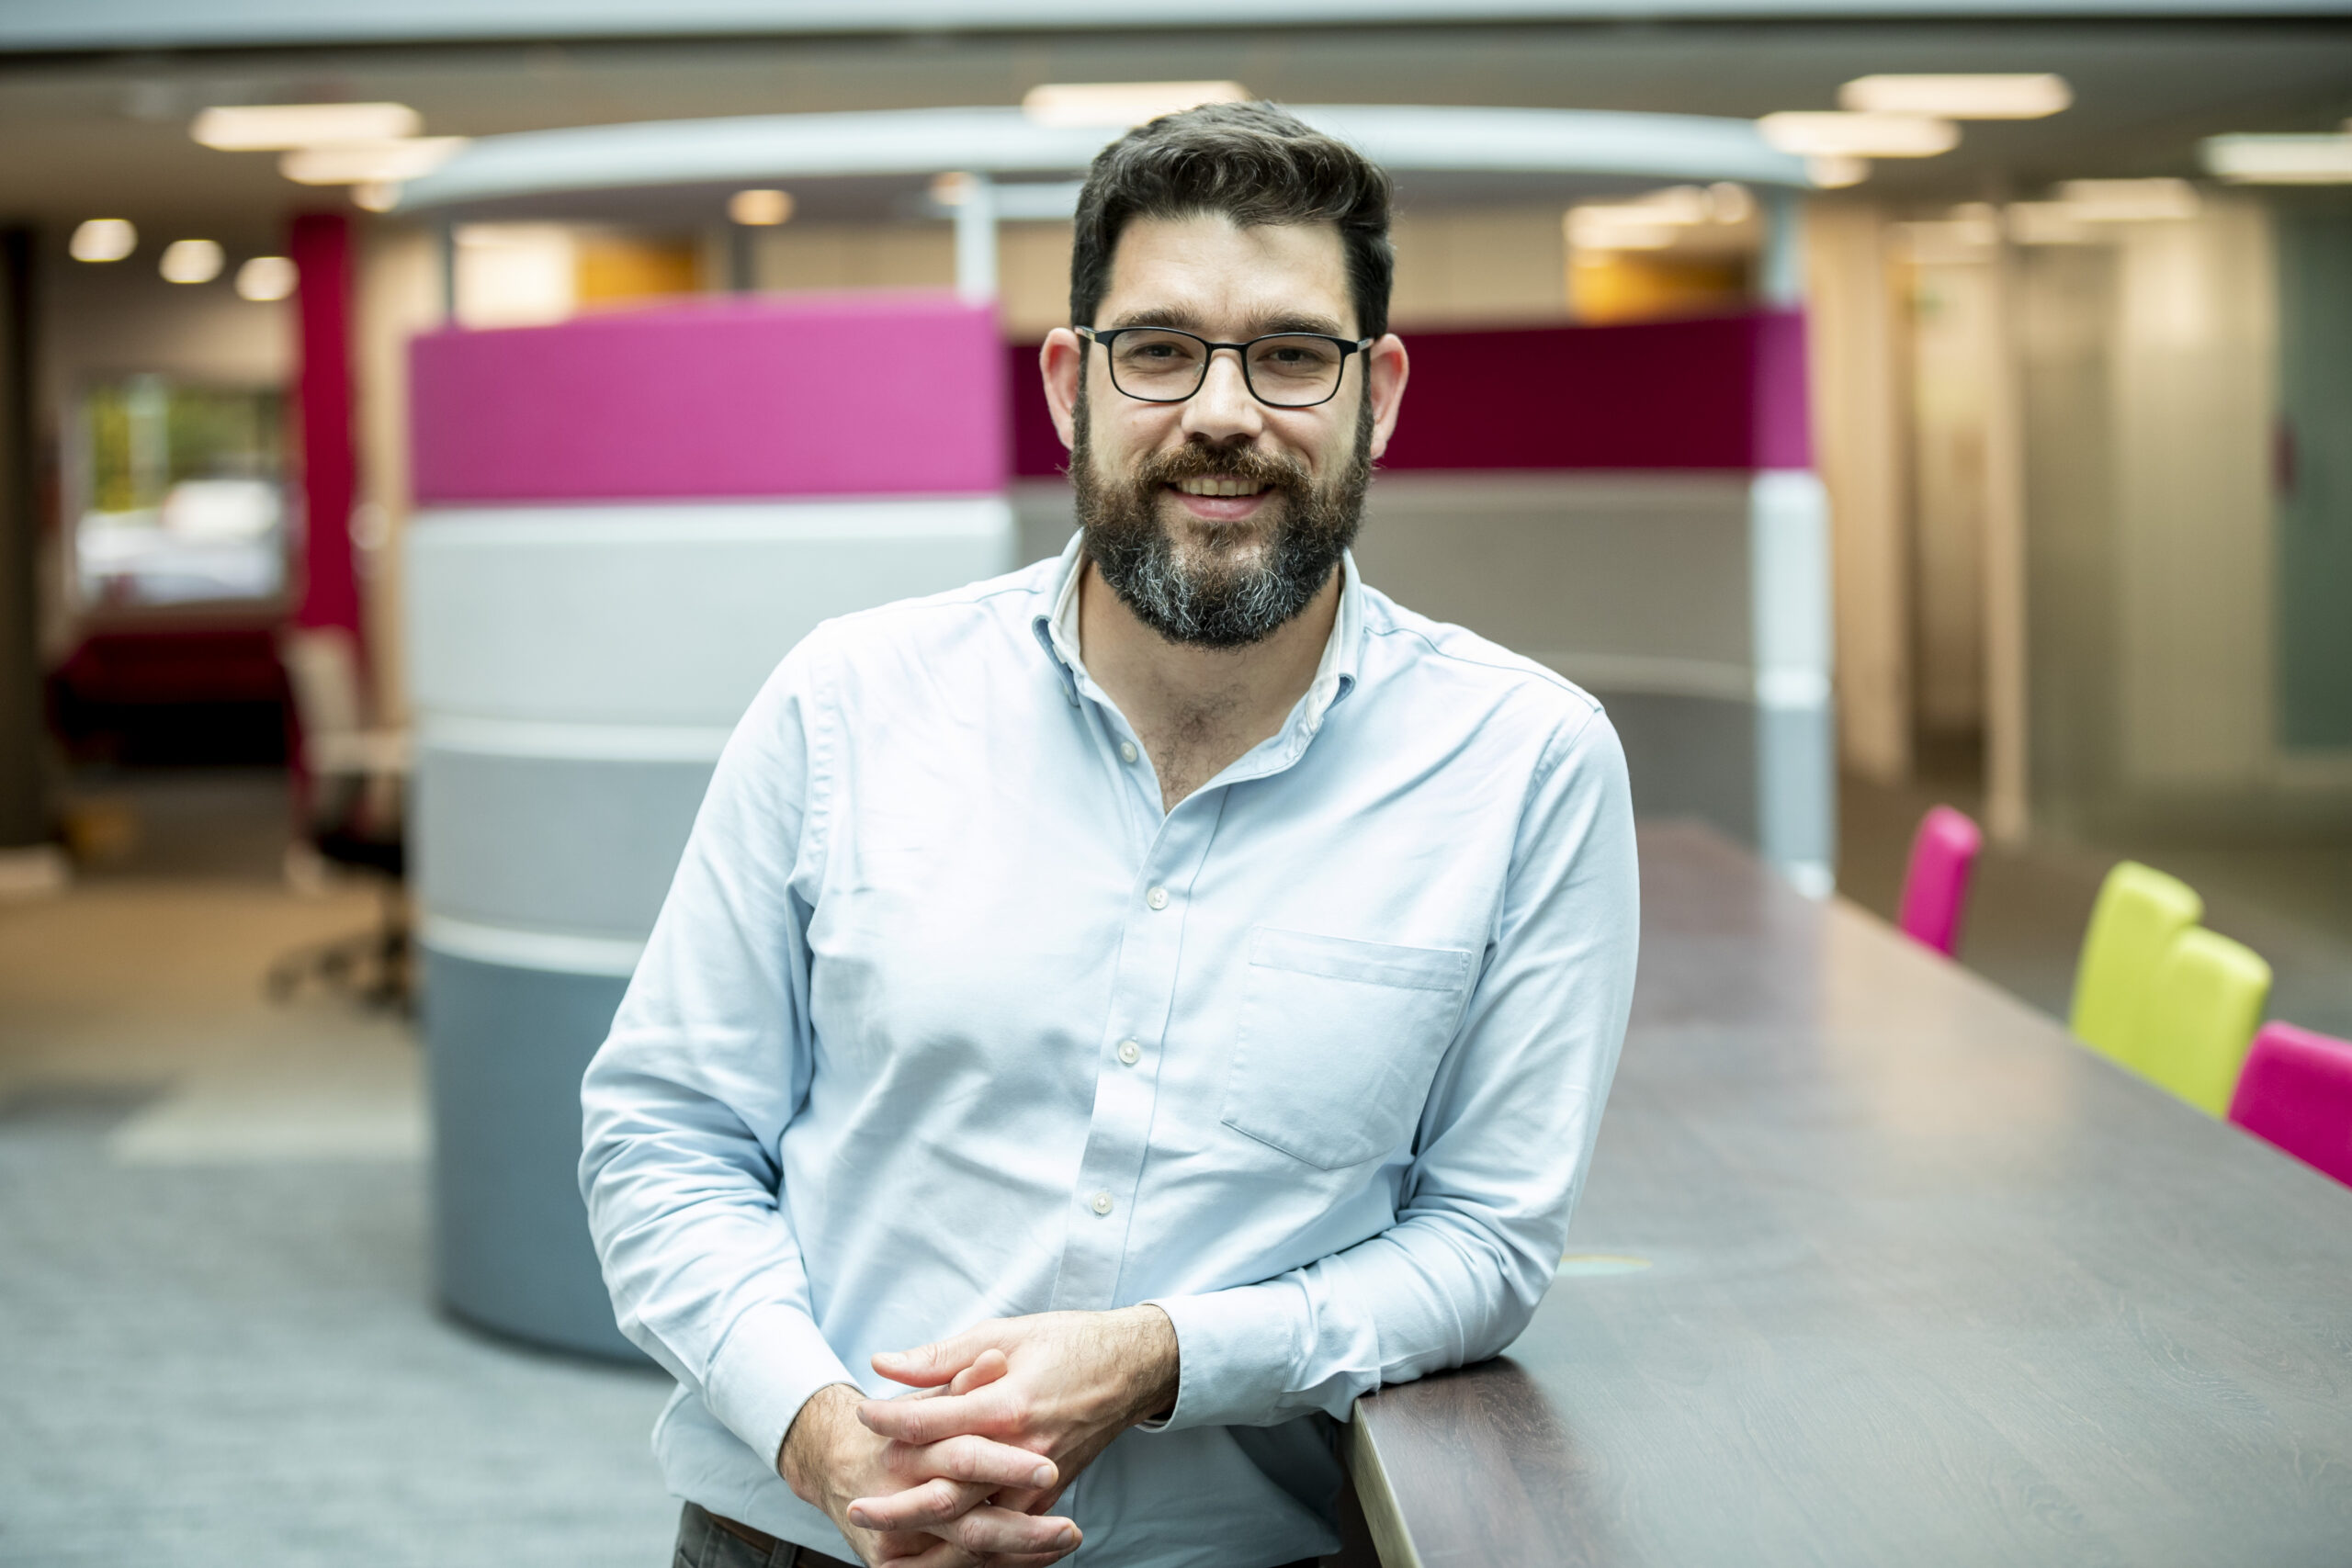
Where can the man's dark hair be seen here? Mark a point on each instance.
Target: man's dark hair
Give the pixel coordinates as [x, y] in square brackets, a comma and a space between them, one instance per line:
[1250, 163]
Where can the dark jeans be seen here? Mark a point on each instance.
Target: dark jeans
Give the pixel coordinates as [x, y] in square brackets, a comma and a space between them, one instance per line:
[704, 1542]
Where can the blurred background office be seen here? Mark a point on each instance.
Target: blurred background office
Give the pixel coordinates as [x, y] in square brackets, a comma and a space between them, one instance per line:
[1950, 407]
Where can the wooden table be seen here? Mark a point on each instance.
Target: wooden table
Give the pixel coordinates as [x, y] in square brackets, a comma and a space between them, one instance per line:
[1889, 1272]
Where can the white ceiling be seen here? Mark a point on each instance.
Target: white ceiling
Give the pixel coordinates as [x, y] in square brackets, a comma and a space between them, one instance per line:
[105, 133]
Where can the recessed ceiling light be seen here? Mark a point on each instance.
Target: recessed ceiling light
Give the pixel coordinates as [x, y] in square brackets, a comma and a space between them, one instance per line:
[760, 208]
[1118, 104]
[1982, 96]
[1829, 133]
[2280, 160]
[270, 128]
[190, 261]
[1836, 171]
[103, 240]
[369, 163]
[265, 278]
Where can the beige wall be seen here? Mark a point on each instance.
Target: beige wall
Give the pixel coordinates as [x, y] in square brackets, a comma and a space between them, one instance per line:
[1464, 268]
[1859, 447]
[2194, 405]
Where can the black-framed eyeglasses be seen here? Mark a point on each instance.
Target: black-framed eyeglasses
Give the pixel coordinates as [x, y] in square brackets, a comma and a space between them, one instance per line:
[1283, 370]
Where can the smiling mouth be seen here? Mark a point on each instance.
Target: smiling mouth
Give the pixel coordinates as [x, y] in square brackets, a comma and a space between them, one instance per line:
[1219, 485]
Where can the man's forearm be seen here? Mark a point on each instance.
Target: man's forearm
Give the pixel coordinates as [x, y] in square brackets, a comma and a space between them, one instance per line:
[812, 1436]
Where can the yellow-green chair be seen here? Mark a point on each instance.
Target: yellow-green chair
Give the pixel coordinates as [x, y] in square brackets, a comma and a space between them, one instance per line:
[2200, 1017]
[2140, 911]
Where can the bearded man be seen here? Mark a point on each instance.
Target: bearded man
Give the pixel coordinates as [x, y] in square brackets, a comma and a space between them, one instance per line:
[1130, 1008]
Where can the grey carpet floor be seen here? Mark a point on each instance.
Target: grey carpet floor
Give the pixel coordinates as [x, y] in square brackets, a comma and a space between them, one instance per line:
[242, 1365]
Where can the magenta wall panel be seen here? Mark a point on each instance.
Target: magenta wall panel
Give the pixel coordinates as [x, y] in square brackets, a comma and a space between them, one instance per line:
[1721, 392]
[851, 394]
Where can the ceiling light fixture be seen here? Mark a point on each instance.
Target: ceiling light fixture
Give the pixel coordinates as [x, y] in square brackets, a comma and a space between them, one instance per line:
[265, 278]
[1116, 105]
[103, 240]
[1830, 133]
[1979, 96]
[369, 163]
[1836, 172]
[191, 261]
[272, 127]
[760, 208]
[2320, 159]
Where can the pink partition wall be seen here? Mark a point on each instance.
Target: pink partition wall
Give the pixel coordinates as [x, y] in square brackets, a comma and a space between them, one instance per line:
[850, 394]
[1724, 392]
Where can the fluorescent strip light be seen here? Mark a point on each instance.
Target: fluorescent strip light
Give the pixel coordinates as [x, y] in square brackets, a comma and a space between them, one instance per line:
[271, 127]
[1829, 133]
[103, 240]
[369, 163]
[265, 278]
[1116, 105]
[2127, 201]
[1983, 96]
[191, 261]
[2280, 160]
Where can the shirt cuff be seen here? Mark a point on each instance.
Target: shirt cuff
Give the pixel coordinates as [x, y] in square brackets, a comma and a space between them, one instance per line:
[769, 1364]
[1238, 1353]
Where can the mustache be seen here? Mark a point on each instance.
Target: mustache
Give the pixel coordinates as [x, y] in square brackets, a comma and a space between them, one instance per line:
[1193, 461]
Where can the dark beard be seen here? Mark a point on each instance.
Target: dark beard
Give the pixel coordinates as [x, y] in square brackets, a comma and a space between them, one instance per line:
[1220, 603]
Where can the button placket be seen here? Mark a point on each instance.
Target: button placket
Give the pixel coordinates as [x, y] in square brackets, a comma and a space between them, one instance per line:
[1105, 1192]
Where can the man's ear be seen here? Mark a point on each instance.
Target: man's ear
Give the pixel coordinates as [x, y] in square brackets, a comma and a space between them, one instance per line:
[1386, 366]
[1061, 362]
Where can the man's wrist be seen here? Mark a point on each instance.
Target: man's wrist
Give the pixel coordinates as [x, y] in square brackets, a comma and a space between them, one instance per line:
[808, 1443]
[1158, 1364]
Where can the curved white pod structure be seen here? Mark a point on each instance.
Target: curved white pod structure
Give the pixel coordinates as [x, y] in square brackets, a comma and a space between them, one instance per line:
[624, 522]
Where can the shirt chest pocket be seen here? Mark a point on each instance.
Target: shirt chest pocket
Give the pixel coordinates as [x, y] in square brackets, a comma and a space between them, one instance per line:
[1338, 1043]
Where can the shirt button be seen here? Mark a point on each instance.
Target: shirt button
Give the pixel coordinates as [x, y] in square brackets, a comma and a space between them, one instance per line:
[1130, 1053]
[1157, 898]
[1102, 1204]
[1126, 750]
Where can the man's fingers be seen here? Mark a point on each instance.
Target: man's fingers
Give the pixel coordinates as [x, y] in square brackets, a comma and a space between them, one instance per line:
[932, 1552]
[986, 1368]
[988, 1409]
[927, 1366]
[970, 1457]
[935, 1502]
[988, 1530]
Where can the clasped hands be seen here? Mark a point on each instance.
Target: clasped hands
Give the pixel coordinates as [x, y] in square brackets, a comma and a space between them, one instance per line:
[963, 1471]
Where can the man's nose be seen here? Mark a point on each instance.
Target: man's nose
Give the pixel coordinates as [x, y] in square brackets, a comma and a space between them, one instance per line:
[1223, 409]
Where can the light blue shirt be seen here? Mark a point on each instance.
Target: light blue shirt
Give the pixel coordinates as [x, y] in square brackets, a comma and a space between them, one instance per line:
[945, 1019]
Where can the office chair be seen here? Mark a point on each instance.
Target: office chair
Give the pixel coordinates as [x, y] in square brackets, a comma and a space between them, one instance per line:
[351, 807]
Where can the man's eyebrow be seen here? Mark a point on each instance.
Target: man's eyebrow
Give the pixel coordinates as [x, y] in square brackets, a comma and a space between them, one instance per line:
[1184, 320]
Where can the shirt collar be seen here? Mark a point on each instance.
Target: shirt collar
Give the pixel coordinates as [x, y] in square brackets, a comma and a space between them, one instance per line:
[1335, 674]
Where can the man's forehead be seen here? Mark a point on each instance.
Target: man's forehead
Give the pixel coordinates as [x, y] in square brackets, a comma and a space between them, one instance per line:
[1202, 272]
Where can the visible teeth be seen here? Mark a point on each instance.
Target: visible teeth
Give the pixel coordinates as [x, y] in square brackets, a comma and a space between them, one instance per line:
[1213, 485]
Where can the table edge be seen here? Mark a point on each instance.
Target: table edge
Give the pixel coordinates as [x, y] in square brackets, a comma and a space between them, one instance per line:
[1391, 1541]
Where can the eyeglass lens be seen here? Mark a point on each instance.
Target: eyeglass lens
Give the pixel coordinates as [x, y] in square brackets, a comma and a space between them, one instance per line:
[1288, 372]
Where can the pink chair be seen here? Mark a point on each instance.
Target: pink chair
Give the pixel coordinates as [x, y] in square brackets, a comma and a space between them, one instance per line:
[2296, 1091]
[1934, 890]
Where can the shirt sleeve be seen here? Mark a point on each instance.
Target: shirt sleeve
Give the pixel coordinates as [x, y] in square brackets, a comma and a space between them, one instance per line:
[1502, 1148]
[708, 1058]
